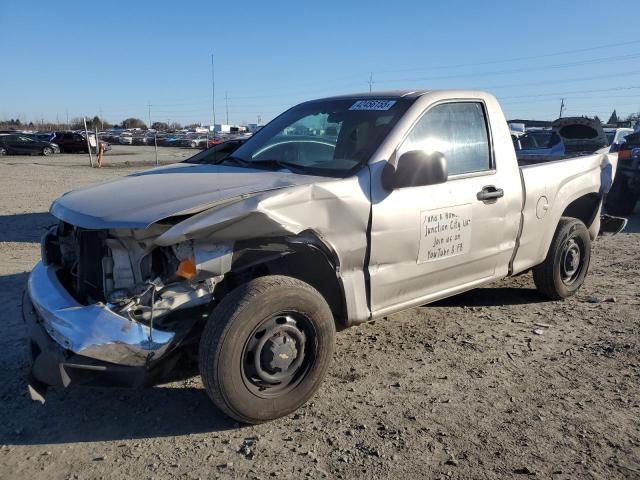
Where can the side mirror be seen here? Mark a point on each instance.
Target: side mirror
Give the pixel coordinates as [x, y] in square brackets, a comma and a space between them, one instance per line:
[416, 168]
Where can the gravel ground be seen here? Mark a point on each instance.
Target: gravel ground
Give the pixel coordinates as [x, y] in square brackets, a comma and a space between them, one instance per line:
[494, 383]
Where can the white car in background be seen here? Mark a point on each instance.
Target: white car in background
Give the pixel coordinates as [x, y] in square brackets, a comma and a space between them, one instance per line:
[616, 136]
[125, 139]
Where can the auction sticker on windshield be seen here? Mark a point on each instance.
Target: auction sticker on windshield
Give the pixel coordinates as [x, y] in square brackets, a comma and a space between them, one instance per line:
[446, 232]
[380, 105]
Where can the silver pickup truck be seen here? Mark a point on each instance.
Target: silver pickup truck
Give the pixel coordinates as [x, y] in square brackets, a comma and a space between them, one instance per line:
[339, 211]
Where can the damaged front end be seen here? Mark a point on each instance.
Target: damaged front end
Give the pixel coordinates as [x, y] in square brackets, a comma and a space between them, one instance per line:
[110, 307]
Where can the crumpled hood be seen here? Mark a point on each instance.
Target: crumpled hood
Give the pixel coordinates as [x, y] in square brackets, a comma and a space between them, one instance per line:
[141, 199]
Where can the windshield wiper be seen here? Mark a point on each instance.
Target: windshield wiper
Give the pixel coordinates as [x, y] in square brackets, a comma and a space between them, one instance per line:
[233, 159]
[277, 163]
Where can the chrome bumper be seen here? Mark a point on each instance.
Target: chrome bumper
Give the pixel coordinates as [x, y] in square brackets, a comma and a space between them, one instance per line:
[93, 331]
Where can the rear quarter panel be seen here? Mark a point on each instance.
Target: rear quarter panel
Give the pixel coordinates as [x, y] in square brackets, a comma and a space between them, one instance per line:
[556, 184]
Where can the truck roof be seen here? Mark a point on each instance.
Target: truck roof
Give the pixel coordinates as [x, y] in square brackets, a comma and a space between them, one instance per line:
[411, 94]
[378, 94]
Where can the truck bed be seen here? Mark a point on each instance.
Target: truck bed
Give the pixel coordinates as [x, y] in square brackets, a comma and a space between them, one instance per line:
[525, 160]
[552, 180]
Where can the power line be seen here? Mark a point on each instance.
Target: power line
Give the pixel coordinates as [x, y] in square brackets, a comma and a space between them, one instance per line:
[516, 59]
[520, 70]
[568, 80]
[575, 91]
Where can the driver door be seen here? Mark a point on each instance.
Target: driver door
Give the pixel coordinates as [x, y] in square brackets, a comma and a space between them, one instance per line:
[431, 241]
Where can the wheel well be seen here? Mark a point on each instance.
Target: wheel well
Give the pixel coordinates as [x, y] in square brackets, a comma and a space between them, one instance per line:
[584, 208]
[305, 262]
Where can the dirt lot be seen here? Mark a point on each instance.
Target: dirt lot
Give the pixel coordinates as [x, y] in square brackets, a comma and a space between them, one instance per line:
[495, 383]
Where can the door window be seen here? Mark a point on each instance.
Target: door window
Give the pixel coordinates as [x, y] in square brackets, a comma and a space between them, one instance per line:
[459, 131]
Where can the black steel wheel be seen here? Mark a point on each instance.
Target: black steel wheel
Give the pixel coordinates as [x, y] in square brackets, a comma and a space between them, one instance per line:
[276, 357]
[266, 348]
[564, 269]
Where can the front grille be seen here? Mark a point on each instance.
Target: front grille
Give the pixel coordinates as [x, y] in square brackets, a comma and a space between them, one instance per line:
[88, 275]
[78, 254]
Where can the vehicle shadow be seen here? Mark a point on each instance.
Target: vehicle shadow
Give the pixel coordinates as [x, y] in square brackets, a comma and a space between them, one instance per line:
[25, 227]
[85, 414]
[492, 297]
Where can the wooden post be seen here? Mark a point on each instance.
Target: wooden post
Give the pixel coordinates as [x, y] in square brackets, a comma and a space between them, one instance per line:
[155, 142]
[86, 132]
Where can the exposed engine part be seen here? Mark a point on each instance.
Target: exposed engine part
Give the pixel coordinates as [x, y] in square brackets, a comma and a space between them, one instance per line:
[166, 299]
[210, 259]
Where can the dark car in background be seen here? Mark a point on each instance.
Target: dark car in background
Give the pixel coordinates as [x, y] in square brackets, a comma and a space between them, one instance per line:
[24, 144]
[71, 142]
[625, 191]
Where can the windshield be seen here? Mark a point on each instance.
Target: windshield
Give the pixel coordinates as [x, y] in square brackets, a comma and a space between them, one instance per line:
[331, 137]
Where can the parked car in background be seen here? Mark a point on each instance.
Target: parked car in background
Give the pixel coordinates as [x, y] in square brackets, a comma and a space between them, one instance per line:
[44, 136]
[567, 136]
[140, 139]
[73, 142]
[214, 141]
[625, 192]
[23, 144]
[199, 141]
[538, 142]
[125, 139]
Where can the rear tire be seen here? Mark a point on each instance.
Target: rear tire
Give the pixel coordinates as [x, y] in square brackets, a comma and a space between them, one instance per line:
[563, 271]
[3, 151]
[266, 348]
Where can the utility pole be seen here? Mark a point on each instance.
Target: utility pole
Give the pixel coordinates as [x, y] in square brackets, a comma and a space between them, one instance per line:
[213, 97]
[370, 81]
[226, 101]
[259, 119]
[67, 118]
[101, 121]
[561, 108]
[149, 105]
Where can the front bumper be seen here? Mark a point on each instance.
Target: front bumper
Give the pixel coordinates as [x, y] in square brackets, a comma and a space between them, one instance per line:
[92, 331]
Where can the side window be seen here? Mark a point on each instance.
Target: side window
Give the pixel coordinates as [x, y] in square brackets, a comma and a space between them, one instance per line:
[459, 131]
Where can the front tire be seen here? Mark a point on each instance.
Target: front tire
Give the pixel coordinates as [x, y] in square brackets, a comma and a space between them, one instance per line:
[46, 151]
[266, 348]
[563, 271]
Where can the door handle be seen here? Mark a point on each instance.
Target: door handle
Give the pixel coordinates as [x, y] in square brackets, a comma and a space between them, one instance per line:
[490, 194]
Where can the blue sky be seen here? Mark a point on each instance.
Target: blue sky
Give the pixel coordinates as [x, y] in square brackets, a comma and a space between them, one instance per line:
[116, 57]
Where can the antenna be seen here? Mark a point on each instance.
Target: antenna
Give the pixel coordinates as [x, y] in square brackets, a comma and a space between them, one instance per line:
[561, 108]
[370, 81]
